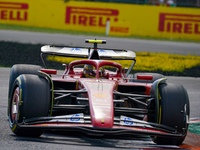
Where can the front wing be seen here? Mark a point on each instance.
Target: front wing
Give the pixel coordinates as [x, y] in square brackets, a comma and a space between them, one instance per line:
[122, 126]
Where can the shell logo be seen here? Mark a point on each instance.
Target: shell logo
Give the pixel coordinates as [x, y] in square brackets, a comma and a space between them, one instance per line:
[100, 95]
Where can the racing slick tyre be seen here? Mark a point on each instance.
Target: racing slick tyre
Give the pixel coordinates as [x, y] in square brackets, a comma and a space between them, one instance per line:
[155, 77]
[19, 69]
[173, 111]
[30, 97]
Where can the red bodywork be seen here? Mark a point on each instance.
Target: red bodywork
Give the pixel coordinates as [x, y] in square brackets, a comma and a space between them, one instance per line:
[100, 90]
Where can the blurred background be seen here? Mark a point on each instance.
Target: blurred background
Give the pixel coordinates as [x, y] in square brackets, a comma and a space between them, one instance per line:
[172, 3]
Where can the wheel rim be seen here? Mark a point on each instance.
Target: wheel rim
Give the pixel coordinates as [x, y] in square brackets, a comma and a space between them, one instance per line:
[14, 105]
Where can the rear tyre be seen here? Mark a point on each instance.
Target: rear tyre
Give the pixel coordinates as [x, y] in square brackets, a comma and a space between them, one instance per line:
[173, 111]
[156, 76]
[30, 98]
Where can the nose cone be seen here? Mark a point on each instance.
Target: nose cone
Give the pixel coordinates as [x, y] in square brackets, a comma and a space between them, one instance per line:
[100, 94]
[102, 110]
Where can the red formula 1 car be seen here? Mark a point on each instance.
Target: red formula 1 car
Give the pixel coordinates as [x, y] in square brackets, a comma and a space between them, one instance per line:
[97, 97]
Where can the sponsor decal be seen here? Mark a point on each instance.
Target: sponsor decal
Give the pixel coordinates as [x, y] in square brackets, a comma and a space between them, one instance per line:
[128, 121]
[75, 118]
[104, 18]
[101, 52]
[119, 29]
[75, 50]
[100, 95]
[179, 23]
[90, 16]
[13, 11]
[101, 99]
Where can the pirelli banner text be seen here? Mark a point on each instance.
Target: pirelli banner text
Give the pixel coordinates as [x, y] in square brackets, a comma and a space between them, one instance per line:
[111, 18]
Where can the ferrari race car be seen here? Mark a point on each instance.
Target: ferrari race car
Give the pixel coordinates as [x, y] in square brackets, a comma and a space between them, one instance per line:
[97, 97]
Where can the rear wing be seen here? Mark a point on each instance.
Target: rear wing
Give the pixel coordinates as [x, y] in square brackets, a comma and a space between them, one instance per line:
[90, 53]
[80, 52]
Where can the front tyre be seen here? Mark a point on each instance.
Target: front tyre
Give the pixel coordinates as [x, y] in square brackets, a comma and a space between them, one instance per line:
[173, 112]
[19, 69]
[30, 98]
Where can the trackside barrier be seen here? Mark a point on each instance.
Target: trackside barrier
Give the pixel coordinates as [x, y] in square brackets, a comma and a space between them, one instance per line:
[124, 19]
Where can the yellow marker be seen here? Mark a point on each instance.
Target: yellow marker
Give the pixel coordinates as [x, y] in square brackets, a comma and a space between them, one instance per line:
[95, 41]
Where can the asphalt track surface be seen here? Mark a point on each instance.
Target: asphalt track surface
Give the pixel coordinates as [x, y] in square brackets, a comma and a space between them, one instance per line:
[119, 43]
[71, 141]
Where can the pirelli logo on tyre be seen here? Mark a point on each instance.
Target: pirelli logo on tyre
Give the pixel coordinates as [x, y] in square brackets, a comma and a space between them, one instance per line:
[179, 23]
[11, 11]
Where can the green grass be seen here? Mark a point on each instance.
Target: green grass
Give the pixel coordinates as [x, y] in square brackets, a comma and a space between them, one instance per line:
[48, 30]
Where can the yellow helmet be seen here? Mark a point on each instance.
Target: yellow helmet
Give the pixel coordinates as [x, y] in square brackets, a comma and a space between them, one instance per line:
[90, 71]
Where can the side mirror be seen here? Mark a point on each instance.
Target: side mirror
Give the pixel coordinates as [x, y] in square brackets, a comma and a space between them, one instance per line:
[144, 77]
[49, 71]
[66, 66]
[66, 69]
[124, 74]
[125, 70]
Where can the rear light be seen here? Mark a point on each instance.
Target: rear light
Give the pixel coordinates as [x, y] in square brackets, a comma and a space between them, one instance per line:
[49, 71]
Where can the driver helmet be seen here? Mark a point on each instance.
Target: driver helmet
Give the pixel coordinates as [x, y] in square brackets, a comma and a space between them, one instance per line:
[90, 71]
